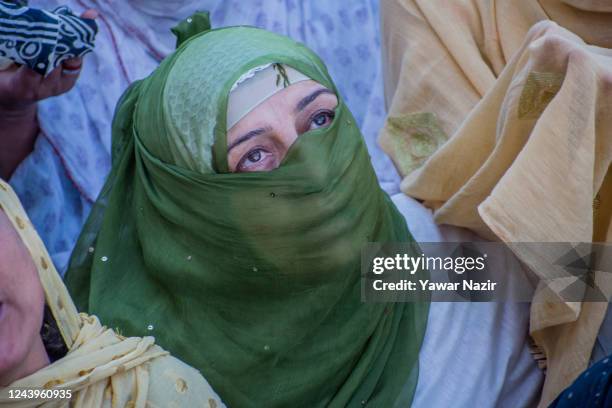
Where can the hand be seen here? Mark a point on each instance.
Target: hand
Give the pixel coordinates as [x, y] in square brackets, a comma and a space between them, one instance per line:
[21, 87]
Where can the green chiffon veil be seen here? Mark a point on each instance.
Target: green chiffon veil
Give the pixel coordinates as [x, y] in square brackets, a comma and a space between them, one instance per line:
[252, 278]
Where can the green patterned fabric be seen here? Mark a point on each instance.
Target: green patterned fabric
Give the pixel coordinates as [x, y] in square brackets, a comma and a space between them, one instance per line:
[252, 278]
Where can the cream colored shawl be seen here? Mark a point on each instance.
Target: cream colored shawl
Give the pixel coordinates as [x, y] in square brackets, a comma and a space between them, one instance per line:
[527, 115]
[102, 368]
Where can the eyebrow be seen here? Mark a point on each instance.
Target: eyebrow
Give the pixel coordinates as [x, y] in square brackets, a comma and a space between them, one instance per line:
[247, 136]
[299, 107]
[310, 98]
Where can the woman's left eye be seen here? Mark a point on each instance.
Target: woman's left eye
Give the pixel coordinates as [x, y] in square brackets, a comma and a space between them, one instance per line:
[254, 156]
[321, 119]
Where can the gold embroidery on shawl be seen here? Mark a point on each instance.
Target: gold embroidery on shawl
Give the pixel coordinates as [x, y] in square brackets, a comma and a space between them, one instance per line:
[540, 88]
[83, 373]
[181, 385]
[415, 137]
[596, 203]
[537, 353]
[52, 383]
[20, 222]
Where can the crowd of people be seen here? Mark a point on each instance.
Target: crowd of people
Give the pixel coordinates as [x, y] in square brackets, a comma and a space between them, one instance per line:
[184, 208]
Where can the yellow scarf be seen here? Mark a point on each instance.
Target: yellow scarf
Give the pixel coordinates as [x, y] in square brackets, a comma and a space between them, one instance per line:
[505, 129]
[102, 368]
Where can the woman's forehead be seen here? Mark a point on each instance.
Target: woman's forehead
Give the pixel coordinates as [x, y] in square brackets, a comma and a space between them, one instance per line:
[289, 101]
[258, 85]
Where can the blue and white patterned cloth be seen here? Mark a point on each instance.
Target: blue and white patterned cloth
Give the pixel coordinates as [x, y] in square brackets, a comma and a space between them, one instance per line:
[61, 179]
[42, 40]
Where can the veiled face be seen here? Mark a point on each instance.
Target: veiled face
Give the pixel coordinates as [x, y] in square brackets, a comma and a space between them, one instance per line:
[261, 139]
[21, 301]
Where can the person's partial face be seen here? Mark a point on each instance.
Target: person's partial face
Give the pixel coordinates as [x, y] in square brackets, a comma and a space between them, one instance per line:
[21, 302]
[261, 139]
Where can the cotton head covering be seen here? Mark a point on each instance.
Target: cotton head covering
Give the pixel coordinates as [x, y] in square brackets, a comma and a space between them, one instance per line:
[256, 86]
[253, 278]
[101, 367]
[195, 121]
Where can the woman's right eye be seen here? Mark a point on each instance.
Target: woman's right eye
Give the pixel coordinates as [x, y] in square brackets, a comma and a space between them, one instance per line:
[256, 159]
[254, 156]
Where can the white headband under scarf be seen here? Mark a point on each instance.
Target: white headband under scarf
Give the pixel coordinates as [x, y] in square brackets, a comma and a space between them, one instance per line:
[257, 85]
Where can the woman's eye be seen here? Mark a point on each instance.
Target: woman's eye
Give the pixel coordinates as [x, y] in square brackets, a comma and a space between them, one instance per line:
[321, 119]
[255, 160]
[254, 156]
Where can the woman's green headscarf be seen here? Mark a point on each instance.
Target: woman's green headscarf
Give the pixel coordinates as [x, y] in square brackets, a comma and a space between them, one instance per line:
[253, 278]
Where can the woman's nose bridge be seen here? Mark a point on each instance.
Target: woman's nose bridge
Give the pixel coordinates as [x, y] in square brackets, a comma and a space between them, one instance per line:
[287, 128]
[291, 136]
